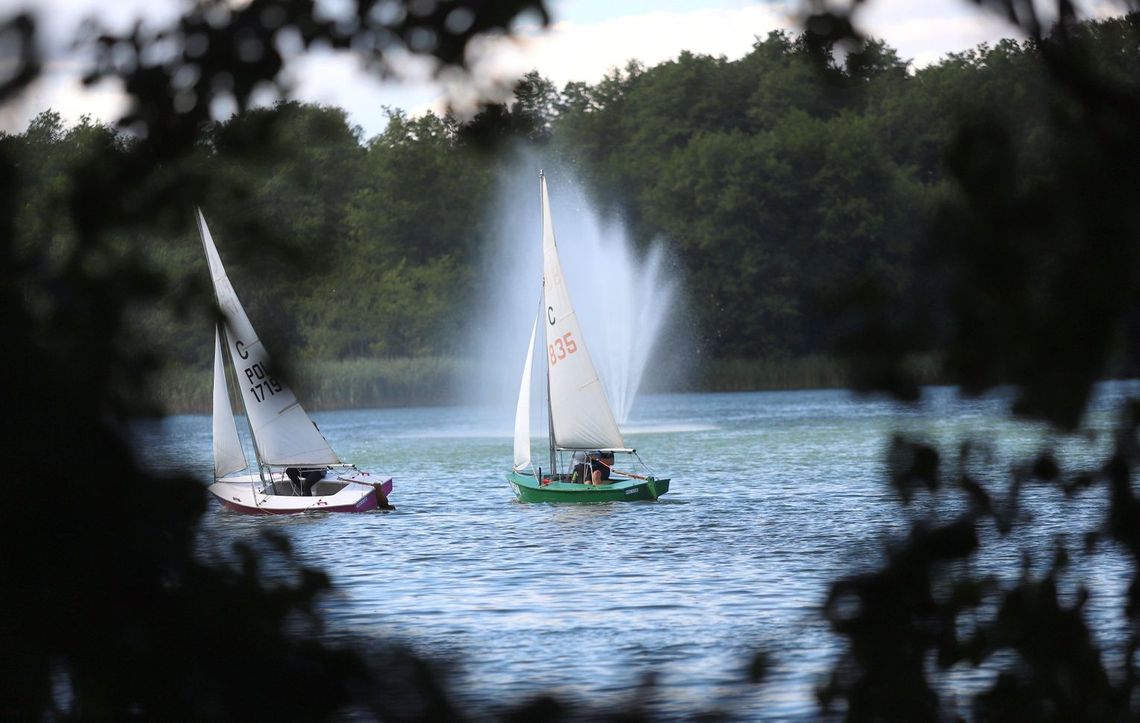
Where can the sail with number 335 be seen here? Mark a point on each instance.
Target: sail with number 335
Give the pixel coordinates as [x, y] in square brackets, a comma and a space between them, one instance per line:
[579, 416]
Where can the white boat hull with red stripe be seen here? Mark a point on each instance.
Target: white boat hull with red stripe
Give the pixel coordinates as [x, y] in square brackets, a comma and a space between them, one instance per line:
[356, 492]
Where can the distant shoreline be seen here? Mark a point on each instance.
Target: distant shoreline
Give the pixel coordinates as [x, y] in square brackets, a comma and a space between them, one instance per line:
[430, 381]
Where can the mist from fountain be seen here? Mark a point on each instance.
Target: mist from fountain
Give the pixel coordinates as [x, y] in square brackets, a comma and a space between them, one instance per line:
[622, 299]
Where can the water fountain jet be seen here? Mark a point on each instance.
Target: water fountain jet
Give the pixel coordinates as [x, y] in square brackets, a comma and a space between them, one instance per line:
[623, 299]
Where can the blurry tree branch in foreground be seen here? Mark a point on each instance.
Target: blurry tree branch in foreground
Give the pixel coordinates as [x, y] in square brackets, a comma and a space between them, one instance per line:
[104, 570]
[1035, 253]
[222, 52]
[106, 610]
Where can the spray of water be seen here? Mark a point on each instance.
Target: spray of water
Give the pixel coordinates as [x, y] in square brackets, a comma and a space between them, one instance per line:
[622, 299]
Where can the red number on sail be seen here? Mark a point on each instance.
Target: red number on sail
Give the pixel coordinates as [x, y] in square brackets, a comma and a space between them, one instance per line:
[562, 347]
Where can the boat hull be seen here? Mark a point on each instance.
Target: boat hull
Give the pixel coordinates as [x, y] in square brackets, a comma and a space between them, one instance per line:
[529, 489]
[247, 494]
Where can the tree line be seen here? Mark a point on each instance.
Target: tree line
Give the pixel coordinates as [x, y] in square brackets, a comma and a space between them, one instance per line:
[784, 184]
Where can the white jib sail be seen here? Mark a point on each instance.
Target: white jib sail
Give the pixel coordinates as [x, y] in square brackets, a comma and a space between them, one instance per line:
[578, 406]
[282, 432]
[522, 411]
[228, 454]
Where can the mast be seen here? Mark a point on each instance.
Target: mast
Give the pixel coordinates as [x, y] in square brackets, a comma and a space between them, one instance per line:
[549, 411]
[550, 420]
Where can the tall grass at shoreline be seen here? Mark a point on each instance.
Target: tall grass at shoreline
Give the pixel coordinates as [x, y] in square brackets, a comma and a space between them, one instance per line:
[427, 381]
[741, 375]
[817, 371]
[326, 384]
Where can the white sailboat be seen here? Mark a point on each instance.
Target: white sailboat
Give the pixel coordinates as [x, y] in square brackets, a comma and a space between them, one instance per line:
[580, 418]
[296, 469]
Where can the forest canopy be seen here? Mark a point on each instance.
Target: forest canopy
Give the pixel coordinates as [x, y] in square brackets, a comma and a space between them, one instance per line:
[782, 186]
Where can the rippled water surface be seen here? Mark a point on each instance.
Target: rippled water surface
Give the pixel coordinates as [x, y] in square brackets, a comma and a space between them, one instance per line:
[774, 495]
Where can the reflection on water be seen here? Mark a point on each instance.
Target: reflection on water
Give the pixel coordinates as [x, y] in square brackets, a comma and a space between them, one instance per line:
[774, 495]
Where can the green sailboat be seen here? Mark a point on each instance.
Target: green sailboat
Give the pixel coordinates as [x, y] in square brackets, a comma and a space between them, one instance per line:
[584, 435]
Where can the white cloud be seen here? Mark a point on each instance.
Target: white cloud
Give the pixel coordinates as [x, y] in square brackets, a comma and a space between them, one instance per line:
[928, 31]
[59, 88]
[575, 51]
[58, 21]
[586, 51]
[588, 38]
[337, 79]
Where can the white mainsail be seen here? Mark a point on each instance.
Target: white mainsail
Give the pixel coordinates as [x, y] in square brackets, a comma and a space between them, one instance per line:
[282, 432]
[579, 410]
[522, 411]
[228, 454]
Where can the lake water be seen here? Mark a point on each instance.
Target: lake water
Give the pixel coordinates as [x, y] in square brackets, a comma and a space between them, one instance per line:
[774, 496]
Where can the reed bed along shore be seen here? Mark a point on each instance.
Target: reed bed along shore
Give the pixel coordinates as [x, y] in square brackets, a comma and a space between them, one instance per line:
[327, 384]
[429, 381]
[816, 371]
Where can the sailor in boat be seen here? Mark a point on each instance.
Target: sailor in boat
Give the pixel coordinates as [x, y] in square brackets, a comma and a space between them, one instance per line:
[304, 480]
[592, 468]
[579, 465]
[600, 464]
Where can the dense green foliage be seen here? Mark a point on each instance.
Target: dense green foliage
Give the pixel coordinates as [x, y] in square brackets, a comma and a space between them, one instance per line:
[1028, 156]
[784, 187]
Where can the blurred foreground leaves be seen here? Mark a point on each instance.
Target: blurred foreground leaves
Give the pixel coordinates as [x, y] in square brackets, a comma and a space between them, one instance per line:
[105, 611]
[1034, 252]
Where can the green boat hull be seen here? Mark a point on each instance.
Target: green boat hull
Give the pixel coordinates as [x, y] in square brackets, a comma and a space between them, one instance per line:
[528, 489]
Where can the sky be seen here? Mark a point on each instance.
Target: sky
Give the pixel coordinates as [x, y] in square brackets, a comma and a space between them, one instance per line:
[585, 40]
